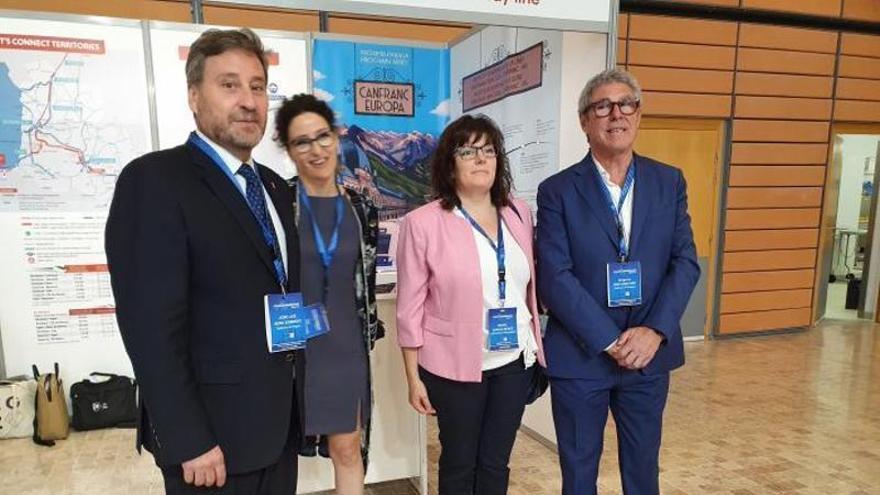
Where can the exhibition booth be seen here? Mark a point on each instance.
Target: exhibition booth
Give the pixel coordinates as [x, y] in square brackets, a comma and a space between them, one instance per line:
[82, 96]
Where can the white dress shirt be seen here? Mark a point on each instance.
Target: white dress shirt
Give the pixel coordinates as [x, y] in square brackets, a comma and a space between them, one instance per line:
[626, 212]
[233, 164]
[518, 275]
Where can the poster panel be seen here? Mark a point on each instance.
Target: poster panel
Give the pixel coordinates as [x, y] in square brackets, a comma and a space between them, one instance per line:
[513, 75]
[392, 103]
[73, 112]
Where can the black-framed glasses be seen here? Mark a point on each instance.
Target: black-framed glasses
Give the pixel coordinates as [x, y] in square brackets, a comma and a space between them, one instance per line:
[468, 153]
[304, 144]
[604, 107]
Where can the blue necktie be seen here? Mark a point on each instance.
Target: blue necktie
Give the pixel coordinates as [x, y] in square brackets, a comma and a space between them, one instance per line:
[257, 203]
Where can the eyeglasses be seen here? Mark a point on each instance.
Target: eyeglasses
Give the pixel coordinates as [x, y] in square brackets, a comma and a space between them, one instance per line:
[603, 108]
[468, 153]
[304, 145]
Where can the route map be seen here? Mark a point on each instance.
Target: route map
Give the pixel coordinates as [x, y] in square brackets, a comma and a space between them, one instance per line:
[71, 116]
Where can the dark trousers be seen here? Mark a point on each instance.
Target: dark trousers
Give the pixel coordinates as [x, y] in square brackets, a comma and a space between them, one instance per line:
[278, 478]
[478, 424]
[580, 411]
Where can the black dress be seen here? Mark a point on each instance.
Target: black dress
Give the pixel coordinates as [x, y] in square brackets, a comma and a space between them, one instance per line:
[336, 383]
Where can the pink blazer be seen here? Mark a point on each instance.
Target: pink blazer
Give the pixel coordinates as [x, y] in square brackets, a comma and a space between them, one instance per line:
[440, 291]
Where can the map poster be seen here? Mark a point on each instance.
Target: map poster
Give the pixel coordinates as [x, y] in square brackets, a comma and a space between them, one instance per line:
[73, 113]
[392, 103]
[288, 75]
[513, 75]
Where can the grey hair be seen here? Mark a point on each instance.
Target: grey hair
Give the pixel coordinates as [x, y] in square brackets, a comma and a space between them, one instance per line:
[609, 76]
[217, 41]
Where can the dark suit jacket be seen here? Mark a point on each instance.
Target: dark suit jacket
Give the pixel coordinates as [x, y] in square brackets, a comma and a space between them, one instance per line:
[577, 238]
[189, 269]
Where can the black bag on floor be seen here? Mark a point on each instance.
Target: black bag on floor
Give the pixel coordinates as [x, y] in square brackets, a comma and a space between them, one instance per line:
[106, 404]
[853, 287]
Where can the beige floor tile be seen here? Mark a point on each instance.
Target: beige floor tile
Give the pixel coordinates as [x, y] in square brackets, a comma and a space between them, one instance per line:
[786, 414]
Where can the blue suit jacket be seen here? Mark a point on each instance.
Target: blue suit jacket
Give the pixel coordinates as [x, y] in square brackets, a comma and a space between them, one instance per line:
[577, 238]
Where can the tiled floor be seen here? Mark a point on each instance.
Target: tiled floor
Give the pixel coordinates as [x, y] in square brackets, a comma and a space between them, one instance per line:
[835, 303]
[788, 414]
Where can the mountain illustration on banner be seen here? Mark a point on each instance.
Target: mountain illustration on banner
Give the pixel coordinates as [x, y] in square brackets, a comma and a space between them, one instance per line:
[391, 168]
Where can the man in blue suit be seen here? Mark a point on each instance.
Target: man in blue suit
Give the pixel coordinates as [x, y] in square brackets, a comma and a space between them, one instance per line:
[616, 267]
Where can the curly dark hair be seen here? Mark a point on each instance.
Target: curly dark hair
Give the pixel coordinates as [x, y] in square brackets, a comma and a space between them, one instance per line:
[459, 133]
[297, 105]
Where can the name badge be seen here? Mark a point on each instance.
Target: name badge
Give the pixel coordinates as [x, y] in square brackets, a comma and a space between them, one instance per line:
[624, 284]
[286, 322]
[316, 321]
[502, 329]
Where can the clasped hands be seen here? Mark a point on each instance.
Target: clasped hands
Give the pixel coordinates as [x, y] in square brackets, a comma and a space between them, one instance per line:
[635, 348]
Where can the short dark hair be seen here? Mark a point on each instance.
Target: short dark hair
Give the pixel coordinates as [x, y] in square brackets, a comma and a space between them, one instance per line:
[460, 133]
[297, 105]
[217, 41]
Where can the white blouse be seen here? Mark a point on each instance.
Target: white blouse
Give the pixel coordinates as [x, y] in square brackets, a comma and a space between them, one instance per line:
[518, 275]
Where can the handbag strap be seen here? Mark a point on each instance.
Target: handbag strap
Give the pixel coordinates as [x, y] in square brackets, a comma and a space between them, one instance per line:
[101, 373]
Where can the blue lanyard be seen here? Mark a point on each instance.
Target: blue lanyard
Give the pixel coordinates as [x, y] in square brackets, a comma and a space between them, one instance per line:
[268, 237]
[206, 148]
[325, 252]
[499, 251]
[622, 248]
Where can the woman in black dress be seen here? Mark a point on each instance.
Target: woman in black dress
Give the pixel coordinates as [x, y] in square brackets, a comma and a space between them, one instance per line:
[337, 230]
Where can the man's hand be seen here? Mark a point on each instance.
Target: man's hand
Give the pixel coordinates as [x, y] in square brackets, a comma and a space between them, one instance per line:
[636, 347]
[208, 469]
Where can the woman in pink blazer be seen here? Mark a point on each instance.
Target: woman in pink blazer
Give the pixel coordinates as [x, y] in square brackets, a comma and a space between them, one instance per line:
[467, 316]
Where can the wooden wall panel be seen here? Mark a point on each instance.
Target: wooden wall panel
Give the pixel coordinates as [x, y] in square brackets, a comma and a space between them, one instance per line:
[779, 61]
[774, 197]
[783, 84]
[786, 38]
[782, 175]
[858, 89]
[857, 111]
[860, 44]
[777, 280]
[770, 153]
[622, 25]
[159, 10]
[867, 10]
[762, 107]
[756, 83]
[766, 300]
[780, 131]
[684, 80]
[827, 8]
[621, 53]
[690, 105]
[864, 67]
[778, 218]
[764, 240]
[681, 55]
[764, 320]
[752, 261]
[700, 31]
[258, 18]
[723, 3]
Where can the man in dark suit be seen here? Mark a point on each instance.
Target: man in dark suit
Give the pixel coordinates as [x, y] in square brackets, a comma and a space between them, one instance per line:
[616, 267]
[197, 236]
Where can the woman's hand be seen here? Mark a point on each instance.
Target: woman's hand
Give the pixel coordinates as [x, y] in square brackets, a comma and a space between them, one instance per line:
[418, 398]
